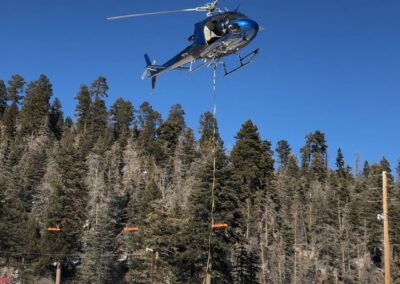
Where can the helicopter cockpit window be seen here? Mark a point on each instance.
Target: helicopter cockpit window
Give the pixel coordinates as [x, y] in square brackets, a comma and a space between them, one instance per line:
[214, 30]
[209, 34]
[235, 28]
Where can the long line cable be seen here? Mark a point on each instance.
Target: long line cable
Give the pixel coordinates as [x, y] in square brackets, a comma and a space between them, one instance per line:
[208, 267]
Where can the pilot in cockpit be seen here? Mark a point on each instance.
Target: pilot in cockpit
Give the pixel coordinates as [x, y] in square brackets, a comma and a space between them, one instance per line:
[235, 28]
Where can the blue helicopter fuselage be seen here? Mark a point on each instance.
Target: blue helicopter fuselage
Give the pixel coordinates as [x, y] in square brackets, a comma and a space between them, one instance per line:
[215, 37]
[230, 32]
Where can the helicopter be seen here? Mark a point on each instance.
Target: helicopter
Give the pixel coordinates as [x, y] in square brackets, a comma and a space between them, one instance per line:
[221, 34]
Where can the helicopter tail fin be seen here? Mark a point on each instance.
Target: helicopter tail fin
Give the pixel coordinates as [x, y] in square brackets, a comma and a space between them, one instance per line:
[147, 58]
[151, 71]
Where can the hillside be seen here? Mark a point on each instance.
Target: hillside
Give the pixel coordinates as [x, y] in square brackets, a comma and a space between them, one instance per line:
[290, 217]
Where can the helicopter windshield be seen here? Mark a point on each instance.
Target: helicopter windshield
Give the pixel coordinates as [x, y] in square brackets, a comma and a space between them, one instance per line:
[214, 27]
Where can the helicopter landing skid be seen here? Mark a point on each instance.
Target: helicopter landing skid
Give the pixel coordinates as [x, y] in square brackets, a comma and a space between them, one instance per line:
[193, 69]
[244, 61]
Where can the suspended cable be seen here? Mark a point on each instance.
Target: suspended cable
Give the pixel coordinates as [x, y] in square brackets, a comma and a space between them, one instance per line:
[208, 267]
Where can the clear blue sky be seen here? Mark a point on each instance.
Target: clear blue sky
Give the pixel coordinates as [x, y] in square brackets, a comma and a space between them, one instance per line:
[331, 65]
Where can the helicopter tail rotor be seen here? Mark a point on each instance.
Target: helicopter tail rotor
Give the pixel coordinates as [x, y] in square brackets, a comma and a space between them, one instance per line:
[151, 70]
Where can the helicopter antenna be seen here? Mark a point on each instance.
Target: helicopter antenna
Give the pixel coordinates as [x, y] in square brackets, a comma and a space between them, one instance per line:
[237, 8]
[210, 8]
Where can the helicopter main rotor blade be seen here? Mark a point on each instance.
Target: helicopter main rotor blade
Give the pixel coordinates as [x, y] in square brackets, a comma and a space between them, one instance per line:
[155, 13]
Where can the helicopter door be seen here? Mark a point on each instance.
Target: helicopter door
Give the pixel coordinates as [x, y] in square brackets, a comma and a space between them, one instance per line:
[199, 36]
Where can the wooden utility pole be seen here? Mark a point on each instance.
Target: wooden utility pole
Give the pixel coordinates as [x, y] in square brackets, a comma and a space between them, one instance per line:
[386, 229]
[58, 268]
[154, 257]
[58, 272]
[152, 268]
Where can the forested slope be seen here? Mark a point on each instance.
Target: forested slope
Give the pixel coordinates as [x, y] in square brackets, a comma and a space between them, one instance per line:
[292, 219]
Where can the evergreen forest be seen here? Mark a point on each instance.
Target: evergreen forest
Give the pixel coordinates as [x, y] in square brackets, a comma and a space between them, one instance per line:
[131, 198]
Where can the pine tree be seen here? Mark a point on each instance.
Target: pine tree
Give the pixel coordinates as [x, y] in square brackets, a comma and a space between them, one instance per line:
[66, 208]
[252, 164]
[15, 88]
[56, 119]
[341, 170]
[3, 98]
[150, 194]
[253, 267]
[181, 168]
[251, 157]
[384, 163]
[171, 129]
[30, 170]
[366, 170]
[30, 247]
[246, 265]
[169, 167]
[149, 121]
[343, 180]
[114, 168]
[68, 124]
[318, 143]
[10, 120]
[186, 152]
[315, 146]
[99, 88]
[34, 115]
[83, 109]
[208, 132]
[98, 91]
[305, 157]
[122, 117]
[11, 208]
[193, 247]
[292, 169]
[283, 149]
[252, 179]
[318, 171]
[92, 117]
[162, 241]
[240, 267]
[100, 259]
